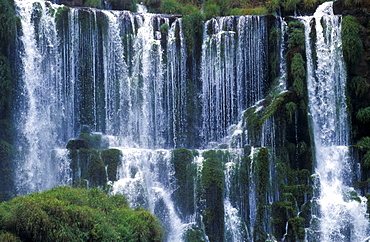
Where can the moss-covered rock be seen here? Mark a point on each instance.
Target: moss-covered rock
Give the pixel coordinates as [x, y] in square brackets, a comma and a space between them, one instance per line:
[111, 159]
[213, 185]
[185, 172]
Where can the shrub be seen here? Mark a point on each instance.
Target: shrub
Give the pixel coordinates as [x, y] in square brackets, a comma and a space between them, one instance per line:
[359, 86]
[351, 41]
[74, 214]
[363, 115]
[192, 27]
[171, 7]
[211, 11]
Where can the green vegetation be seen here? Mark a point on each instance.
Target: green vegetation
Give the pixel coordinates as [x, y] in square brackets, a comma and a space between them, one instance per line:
[290, 108]
[185, 172]
[7, 152]
[74, 214]
[351, 41]
[7, 24]
[93, 4]
[213, 185]
[363, 115]
[298, 73]
[192, 26]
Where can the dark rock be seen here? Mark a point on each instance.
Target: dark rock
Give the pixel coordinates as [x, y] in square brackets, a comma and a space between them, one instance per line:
[77, 144]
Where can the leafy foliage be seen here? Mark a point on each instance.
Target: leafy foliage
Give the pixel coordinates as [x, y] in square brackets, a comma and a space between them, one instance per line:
[7, 23]
[74, 214]
[363, 115]
[351, 41]
[359, 86]
[171, 7]
[298, 72]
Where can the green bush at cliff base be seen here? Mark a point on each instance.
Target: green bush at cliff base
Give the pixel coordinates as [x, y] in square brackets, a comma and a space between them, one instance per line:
[351, 41]
[74, 214]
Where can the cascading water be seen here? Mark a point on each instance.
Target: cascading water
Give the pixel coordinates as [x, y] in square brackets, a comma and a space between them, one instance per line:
[341, 219]
[44, 122]
[236, 80]
[126, 75]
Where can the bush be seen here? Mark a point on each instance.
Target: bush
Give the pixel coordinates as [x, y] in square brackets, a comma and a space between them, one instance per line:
[74, 214]
[211, 11]
[171, 7]
[351, 41]
[363, 115]
[192, 27]
[359, 86]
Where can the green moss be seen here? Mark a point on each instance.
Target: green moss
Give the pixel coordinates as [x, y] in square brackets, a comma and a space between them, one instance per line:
[213, 185]
[96, 169]
[351, 41]
[297, 226]
[94, 141]
[290, 109]
[71, 214]
[185, 171]
[112, 159]
[194, 234]
[298, 72]
[296, 35]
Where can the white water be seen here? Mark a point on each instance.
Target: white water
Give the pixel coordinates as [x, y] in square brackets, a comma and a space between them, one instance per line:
[237, 76]
[44, 121]
[145, 176]
[341, 219]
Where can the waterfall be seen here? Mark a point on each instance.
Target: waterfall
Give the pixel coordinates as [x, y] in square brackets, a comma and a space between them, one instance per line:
[44, 122]
[341, 218]
[237, 47]
[146, 178]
